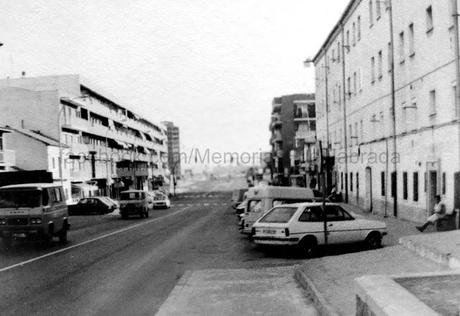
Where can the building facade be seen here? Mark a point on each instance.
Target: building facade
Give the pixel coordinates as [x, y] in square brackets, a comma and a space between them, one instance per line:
[387, 105]
[109, 146]
[285, 128]
[174, 153]
[303, 167]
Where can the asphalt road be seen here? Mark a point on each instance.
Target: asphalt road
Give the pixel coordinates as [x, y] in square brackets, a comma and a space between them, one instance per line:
[127, 267]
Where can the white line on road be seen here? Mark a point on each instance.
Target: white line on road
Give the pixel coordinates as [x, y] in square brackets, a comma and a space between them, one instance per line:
[20, 264]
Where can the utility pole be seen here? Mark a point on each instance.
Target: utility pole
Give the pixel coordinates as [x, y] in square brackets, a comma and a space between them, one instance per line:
[393, 113]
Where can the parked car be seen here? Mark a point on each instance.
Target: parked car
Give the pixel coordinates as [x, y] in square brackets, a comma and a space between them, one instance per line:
[92, 205]
[135, 202]
[160, 200]
[112, 201]
[33, 210]
[238, 197]
[302, 225]
[262, 199]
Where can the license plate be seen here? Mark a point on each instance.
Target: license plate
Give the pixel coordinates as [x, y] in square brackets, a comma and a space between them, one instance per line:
[19, 235]
[269, 231]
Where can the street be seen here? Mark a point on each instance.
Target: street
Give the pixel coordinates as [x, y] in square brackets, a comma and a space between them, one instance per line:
[121, 267]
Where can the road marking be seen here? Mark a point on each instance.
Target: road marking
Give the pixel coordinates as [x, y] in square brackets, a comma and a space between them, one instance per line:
[20, 264]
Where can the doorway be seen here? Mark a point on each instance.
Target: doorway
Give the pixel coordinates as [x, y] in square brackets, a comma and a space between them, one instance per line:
[368, 199]
[432, 190]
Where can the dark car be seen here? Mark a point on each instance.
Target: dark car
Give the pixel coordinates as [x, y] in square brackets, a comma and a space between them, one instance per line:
[92, 205]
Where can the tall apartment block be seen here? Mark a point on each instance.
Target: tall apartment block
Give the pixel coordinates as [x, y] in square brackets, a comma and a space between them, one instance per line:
[174, 156]
[82, 136]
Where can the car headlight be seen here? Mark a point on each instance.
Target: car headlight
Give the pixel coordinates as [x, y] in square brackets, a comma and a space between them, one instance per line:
[36, 221]
[2, 221]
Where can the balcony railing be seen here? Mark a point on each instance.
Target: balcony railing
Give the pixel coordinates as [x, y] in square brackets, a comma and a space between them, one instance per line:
[7, 159]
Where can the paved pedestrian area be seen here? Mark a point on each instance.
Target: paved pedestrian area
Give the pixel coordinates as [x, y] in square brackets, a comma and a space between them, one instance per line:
[268, 291]
[334, 276]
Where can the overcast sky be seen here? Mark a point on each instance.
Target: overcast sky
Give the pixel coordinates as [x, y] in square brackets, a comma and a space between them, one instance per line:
[212, 67]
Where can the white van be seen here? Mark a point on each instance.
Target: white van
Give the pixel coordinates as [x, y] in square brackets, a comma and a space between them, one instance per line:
[33, 210]
[262, 199]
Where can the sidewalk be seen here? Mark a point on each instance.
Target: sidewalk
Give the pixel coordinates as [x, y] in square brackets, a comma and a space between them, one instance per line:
[331, 279]
[268, 291]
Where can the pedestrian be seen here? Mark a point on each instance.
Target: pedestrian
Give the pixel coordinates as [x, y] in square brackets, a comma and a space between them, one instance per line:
[439, 213]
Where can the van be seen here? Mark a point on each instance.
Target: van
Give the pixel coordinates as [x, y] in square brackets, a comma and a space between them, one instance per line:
[33, 210]
[262, 199]
[135, 202]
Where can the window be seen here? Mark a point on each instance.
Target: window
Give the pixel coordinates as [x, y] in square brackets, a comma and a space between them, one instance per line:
[411, 40]
[424, 182]
[354, 33]
[339, 49]
[351, 181]
[355, 135]
[312, 214]
[371, 13]
[432, 102]
[361, 131]
[429, 19]
[390, 57]
[336, 213]
[1, 141]
[348, 41]
[360, 79]
[443, 183]
[355, 83]
[359, 28]
[357, 182]
[378, 9]
[372, 69]
[405, 185]
[341, 181]
[382, 182]
[350, 131]
[349, 86]
[393, 184]
[415, 184]
[380, 62]
[401, 47]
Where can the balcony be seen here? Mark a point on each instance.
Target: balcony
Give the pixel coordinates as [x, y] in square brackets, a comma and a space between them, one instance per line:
[276, 107]
[7, 160]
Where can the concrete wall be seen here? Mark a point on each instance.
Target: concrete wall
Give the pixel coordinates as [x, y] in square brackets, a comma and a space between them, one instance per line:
[30, 153]
[33, 110]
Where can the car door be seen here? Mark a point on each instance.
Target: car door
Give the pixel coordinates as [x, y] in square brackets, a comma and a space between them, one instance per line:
[342, 228]
[310, 222]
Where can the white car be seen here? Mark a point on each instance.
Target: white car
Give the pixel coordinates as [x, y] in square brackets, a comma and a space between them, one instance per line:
[302, 225]
[160, 200]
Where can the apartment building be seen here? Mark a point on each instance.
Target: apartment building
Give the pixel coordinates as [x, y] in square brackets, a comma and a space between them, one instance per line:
[283, 135]
[387, 105]
[174, 156]
[108, 145]
[303, 167]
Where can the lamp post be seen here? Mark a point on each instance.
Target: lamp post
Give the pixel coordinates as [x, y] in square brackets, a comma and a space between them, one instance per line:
[174, 176]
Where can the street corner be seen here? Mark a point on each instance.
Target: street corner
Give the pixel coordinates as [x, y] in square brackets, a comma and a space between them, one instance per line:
[266, 291]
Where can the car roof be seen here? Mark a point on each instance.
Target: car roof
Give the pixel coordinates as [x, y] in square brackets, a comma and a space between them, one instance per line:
[31, 186]
[305, 204]
[133, 191]
[280, 192]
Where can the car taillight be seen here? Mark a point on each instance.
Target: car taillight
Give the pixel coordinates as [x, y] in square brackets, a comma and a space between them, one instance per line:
[36, 221]
[286, 232]
[3, 221]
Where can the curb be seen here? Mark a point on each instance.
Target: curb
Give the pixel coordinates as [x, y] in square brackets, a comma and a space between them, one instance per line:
[430, 253]
[175, 294]
[323, 306]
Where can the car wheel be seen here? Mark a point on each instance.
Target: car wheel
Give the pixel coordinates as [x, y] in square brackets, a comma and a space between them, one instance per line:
[63, 235]
[374, 240]
[308, 247]
[146, 213]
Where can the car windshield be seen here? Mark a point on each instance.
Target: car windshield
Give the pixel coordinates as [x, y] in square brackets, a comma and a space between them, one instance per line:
[131, 196]
[20, 198]
[279, 215]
